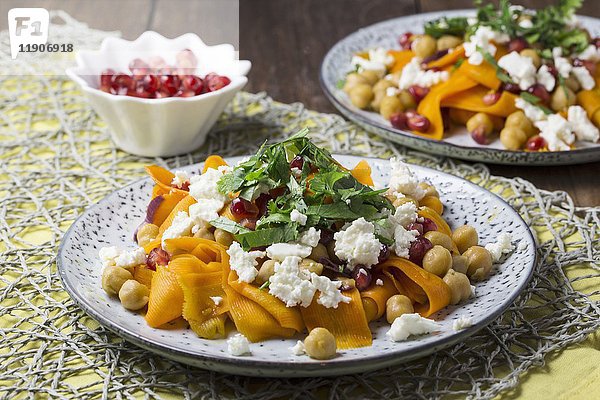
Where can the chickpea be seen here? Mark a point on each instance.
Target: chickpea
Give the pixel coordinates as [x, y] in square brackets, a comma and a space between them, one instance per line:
[396, 306]
[223, 237]
[519, 120]
[204, 233]
[311, 266]
[379, 93]
[531, 53]
[382, 85]
[562, 98]
[480, 122]
[318, 252]
[407, 100]
[438, 238]
[437, 260]
[113, 278]
[460, 287]
[371, 76]
[573, 84]
[390, 105]
[513, 138]
[398, 201]
[465, 237]
[353, 79]
[133, 295]
[320, 344]
[434, 203]
[267, 269]
[146, 234]
[448, 42]
[424, 46]
[460, 263]
[361, 95]
[429, 189]
[479, 261]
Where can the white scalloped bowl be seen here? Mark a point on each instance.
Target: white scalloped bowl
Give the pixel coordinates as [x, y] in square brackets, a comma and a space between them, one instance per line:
[159, 127]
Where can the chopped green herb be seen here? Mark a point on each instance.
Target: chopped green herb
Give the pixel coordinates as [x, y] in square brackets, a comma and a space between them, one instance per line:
[499, 72]
[267, 236]
[264, 285]
[536, 101]
[446, 26]
[340, 83]
[228, 225]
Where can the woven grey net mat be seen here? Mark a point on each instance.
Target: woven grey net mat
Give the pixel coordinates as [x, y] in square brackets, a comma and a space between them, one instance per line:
[56, 159]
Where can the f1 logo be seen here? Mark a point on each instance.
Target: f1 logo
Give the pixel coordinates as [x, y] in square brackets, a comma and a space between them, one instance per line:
[27, 26]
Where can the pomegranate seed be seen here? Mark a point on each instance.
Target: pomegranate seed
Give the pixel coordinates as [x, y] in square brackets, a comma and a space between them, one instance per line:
[121, 84]
[405, 40]
[156, 257]
[552, 70]
[326, 236]
[186, 59]
[242, 208]
[418, 248]
[491, 98]
[150, 83]
[479, 136]
[418, 122]
[511, 88]
[297, 162]
[161, 94]
[362, 277]
[156, 63]
[589, 65]
[106, 78]
[384, 253]
[249, 223]
[428, 225]
[418, 92]
[517, 44]
[415, 226]
[138, 67]
[193, 83]
[535, 143]
[169, 84]
[435, 56]
[399, 120]
[216, 82]
[540, 91]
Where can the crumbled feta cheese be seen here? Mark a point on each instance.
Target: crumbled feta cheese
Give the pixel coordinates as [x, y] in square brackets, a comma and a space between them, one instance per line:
[381, 55]
[472, 20]
[297, 216]
[379, 282]
[217, 300]
[522, 246]
[298, 349]
[291, 284]
[533, 113]
[114, 256]
[402, 180]
[557, 132]
[473, 292]
[462, 323]
[180, 179]
[244, 263]
[545, 78]
[362, 64]
[310, 237]
[410, 324]
[238, 345]
[520, 68]
[181, 226]
[502, 246]
[584, 77]
[279, 251]
[590, 53]
[481, 42]
[357, 243]
[205, 210]
[413, 74]
[330, 294]
[526, 23]
[205, 186]
[405, 214]
[392, 91]
[584, 129]
[402, 240]
[563, 66]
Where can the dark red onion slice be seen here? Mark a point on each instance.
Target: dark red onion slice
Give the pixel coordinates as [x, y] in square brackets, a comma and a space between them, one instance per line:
[152, 207]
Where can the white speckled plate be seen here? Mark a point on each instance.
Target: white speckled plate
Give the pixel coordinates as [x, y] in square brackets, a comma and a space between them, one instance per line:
[456, 143]
[113, 220]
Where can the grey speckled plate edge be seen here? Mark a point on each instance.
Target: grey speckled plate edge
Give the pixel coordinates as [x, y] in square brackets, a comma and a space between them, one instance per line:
[369, 36]
[334, 367]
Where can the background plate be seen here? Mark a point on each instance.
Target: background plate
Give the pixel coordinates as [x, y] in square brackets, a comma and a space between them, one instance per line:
[457, 143]
[113, 220]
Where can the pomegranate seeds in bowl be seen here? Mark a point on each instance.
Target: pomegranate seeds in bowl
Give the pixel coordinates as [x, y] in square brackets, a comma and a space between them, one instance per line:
[155, 79]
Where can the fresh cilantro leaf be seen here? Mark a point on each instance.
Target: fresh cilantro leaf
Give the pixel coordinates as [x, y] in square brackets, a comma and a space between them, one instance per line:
[536, 101]
[228, 225]
[267, 236]
[446, 26]
[334, 211]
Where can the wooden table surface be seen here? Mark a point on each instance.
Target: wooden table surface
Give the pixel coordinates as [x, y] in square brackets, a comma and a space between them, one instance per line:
[286, 41]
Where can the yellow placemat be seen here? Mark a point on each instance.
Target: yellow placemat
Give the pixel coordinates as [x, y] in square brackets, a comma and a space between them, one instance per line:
[56, 159]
